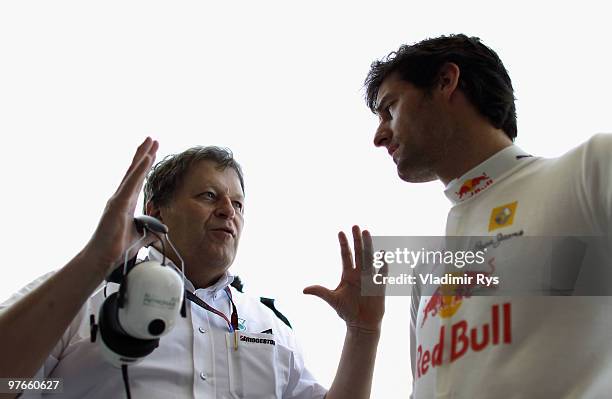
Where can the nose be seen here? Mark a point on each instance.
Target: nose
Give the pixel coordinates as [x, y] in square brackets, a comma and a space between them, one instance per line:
[382, 136]
[225, 208]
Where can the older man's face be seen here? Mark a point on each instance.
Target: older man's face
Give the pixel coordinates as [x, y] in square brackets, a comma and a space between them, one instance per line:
[205, 218]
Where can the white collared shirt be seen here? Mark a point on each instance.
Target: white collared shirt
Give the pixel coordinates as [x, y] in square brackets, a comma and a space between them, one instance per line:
[196, 359]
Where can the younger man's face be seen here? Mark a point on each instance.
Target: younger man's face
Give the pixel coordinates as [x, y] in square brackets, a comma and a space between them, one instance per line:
[411, 127]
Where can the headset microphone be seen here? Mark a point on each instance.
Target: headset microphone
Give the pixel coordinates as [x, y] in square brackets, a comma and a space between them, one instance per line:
[150, 297]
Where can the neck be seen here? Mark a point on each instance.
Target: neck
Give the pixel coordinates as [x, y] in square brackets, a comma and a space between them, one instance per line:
[472, 146]
[200, 281]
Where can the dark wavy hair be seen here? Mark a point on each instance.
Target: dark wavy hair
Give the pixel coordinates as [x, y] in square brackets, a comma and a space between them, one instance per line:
[166, 176]
[483, 78]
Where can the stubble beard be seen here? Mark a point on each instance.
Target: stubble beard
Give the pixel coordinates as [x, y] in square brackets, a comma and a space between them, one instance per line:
[415, 168]
[423, 166]
[415, 175]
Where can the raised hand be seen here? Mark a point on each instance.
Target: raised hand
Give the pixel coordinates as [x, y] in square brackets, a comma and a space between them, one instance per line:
[116, 230]
[362, 313]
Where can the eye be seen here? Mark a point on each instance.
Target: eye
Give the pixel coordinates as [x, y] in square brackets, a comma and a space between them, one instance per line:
[387, 111]
[238, 205]
[208, 195]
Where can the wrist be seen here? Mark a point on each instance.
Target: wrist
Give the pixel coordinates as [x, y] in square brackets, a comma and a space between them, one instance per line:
[95, 261]
[361, 332]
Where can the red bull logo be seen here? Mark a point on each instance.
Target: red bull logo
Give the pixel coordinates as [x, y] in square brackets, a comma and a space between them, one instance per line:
[444, 305]
[464, 337]
[447, 299]
[474, 185]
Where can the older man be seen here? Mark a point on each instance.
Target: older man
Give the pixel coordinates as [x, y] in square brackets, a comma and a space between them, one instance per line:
[199, 196]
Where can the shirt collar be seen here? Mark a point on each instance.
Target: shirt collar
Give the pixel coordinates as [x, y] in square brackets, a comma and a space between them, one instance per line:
[486, 174]
[214, 290]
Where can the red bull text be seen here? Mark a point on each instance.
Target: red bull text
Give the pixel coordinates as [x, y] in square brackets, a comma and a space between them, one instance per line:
[464, 337]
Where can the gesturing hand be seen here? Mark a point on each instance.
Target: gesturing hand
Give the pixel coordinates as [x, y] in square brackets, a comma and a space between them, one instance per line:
[363, 313]
[116, 230]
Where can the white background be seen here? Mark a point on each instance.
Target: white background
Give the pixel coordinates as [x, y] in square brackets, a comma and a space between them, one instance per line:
[82, 83]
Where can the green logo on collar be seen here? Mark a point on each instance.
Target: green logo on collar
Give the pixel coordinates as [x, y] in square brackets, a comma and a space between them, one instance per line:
[241, 324]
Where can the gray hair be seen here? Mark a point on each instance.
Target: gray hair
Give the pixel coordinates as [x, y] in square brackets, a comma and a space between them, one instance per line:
[166, 176]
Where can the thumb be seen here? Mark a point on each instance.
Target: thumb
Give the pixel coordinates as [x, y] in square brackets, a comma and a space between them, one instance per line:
[319, 291]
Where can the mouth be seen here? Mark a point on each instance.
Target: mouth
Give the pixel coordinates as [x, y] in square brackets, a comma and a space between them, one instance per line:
[225, 231]
[393, 151]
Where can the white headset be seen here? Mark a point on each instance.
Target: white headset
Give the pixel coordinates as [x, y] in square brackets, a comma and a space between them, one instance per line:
[150, 297]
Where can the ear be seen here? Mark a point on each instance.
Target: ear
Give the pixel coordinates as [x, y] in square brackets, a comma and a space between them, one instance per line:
[448, 79]
[154, 211]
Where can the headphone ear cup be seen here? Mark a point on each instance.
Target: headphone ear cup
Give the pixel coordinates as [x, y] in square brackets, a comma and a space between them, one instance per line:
[115, 338]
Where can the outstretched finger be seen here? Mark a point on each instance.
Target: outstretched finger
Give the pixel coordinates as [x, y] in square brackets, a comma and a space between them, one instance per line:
[141, 151]
[383, 271]
[358, 246]
[345, 252]
[132, 183]
[368, 253]
[321, 292]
